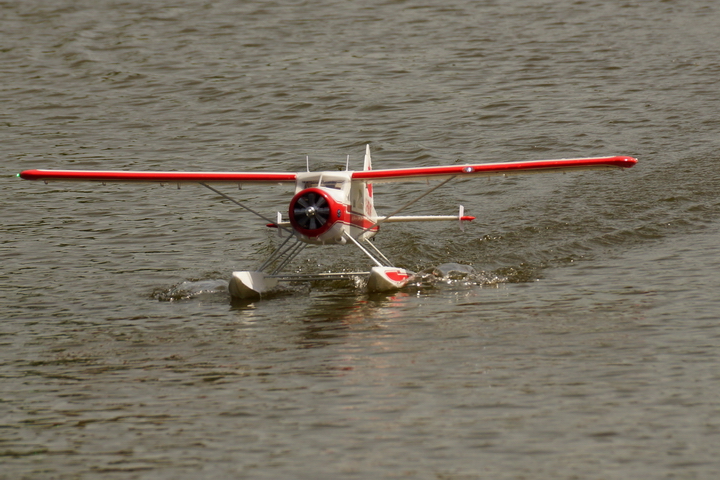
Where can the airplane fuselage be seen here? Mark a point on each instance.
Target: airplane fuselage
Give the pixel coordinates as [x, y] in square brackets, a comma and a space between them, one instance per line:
[329, 206]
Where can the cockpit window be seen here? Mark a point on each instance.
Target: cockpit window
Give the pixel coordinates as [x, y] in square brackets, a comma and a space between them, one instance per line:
[336, 184]
[333, 184]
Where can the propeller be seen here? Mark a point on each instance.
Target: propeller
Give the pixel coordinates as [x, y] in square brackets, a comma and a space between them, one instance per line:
[311, 210]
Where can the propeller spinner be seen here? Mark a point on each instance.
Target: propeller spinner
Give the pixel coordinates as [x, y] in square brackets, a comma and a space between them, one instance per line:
[311, 211]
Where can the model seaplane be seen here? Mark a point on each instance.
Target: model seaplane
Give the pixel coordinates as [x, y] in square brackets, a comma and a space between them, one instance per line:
[333, 208]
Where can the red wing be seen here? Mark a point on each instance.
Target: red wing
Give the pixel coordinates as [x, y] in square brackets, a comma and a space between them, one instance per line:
[488, 169]
[159, 177]
[374, 176]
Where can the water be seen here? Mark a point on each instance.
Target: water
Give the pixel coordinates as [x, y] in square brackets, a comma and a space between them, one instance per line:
[585, 346]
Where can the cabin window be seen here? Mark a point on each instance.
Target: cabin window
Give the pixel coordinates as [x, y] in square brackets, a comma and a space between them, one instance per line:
[333, 184]
[336, 184]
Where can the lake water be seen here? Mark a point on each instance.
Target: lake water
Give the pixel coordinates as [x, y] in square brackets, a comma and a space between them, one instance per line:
[586, 347]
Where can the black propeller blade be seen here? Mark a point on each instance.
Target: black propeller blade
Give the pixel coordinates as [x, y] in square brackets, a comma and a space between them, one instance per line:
[311, 211]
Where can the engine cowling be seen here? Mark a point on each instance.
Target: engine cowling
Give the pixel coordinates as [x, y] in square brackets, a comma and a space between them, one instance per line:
[313, 211]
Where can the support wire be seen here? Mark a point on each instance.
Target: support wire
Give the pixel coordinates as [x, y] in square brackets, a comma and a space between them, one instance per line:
[428, 192]
[273, 222]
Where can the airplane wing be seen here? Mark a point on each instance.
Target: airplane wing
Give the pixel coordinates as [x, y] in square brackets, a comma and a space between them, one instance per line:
[490, 169]
[159, 177]
[371, 176]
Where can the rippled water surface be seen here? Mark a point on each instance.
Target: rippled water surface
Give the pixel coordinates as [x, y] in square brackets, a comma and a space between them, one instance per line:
[585, 346]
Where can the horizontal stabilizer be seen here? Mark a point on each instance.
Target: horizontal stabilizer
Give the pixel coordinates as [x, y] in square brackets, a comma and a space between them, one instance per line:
[424, 218]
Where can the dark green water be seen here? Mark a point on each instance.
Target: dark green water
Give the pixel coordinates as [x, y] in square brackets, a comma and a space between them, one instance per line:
[586, 347]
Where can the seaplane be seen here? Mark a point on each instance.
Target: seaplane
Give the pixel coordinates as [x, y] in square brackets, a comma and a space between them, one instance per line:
[333, 208]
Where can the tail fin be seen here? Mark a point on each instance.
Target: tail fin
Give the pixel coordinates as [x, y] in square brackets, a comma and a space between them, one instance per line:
[368, 160]
[369, 202]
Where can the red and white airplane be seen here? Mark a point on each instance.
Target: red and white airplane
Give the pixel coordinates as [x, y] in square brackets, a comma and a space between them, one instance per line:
[333, 207]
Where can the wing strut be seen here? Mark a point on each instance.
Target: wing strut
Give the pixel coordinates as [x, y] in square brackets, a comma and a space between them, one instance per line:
[244, 206]
[428, 192]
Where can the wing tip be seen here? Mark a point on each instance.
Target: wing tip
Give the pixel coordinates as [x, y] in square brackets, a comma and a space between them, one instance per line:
[29, 174]
[629, 161]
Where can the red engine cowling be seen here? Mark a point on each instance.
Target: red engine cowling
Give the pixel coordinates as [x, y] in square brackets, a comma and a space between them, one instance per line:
[313, 211]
